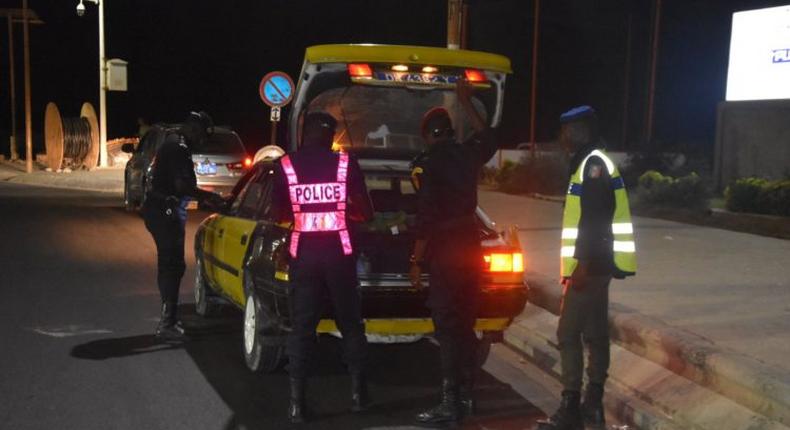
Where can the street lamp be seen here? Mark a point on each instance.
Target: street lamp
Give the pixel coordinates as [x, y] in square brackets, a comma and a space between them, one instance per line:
[102, 81]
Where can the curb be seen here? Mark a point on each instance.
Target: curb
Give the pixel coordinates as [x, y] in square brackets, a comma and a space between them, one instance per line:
[640, 392]
[751, 383]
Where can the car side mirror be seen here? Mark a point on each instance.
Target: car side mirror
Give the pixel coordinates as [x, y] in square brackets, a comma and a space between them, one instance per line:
[127, 148]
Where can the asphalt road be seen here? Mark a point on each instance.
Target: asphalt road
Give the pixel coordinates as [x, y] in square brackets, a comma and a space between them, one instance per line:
[79, 304]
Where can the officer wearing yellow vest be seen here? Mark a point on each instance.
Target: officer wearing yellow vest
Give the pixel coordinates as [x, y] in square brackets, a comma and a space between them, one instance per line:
[597, 245]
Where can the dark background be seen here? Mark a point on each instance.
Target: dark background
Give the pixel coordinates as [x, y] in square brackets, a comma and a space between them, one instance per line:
[197, 54]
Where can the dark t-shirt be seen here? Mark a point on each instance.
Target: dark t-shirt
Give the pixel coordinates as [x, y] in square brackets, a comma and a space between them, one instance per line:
[447, 192]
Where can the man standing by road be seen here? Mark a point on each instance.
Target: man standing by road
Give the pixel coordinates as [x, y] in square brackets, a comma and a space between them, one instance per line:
[171, 186]
[321, 191]
[447, 231]
[597, 244]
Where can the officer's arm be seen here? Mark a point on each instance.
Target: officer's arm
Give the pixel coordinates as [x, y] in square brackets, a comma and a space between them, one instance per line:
[281, 202]
[483, 142]
[597, 209]
[184, 180]
[359, 199]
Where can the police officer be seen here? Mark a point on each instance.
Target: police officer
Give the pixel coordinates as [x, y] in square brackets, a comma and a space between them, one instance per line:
[321, 191]
[597, 244]
[171, 185]
[446, 176]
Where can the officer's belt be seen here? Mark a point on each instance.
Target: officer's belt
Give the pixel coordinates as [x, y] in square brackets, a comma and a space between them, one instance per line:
[462, 221]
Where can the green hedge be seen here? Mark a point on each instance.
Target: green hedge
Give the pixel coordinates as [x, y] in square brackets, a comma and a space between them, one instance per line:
[656, 189]
[760, 196]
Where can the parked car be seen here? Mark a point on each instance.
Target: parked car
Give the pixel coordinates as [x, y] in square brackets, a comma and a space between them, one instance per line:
[242, 252]
[219, 162]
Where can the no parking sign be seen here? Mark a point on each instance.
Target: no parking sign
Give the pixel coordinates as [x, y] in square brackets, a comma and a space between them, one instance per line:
[276, 89]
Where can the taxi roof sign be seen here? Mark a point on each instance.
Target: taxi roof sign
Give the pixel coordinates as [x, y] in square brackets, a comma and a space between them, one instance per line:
[400, 54]
[276, 89]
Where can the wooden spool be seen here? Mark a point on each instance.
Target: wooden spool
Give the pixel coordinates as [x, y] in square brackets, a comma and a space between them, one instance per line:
[87, 112]
[54, 139]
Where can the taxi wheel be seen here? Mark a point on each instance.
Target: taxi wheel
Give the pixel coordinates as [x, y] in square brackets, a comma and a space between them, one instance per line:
[128, 204]
[258, 357]
[203, 294]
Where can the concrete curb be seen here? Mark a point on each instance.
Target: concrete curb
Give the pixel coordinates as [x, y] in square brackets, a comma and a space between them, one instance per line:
[751, 383]
[640, 392]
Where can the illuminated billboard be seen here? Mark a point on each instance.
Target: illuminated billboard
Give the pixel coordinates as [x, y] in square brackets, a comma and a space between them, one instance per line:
[760, 55]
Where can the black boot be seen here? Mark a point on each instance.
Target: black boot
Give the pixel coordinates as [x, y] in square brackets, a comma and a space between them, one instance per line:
[169, 329]
[359, 393]
[296, 408]
[592, 407]
[567, 417]
[447, 411]
[467, 391]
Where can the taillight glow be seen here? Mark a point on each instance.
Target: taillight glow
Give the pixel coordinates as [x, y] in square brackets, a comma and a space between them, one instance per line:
[501, 262]
[248, 162]
[360, 71]
[429, 69]
[475, 76]
[400, 68]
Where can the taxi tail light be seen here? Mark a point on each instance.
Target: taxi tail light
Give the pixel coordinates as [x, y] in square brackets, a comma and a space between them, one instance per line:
[475, 76]
[361, 71]
[500, 262]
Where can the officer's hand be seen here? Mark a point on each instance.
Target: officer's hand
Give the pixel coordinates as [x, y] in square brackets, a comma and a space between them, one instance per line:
[415, 275]
[215, 202]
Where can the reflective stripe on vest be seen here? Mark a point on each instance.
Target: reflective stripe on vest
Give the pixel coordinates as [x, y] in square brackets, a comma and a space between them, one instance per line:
[623, 246]
[304, 197]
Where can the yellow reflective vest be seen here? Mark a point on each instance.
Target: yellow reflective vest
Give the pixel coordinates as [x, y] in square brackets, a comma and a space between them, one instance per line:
[622, 229]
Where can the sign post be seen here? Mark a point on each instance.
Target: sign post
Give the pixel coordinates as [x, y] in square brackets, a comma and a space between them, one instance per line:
[276, 90]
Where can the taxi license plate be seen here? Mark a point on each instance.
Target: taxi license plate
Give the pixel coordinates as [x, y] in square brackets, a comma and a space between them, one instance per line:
[206, 169]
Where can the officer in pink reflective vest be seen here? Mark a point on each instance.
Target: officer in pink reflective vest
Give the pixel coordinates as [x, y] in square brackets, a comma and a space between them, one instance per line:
[322, 192]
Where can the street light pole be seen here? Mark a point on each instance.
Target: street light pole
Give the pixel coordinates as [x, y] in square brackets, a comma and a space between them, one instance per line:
[102, 90]
[28, 109]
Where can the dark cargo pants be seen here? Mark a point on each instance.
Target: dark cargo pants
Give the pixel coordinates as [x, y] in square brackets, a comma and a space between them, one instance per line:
[168, 234]
[320, 271]
[453, 300]
[584, 321]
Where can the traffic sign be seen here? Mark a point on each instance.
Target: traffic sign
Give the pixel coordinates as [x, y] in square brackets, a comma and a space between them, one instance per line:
[275, 114]
[276, 89]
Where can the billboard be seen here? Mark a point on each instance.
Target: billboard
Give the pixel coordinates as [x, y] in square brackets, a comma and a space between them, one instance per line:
[760, 55]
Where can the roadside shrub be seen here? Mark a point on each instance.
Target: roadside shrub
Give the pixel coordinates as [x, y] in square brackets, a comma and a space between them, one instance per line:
[504, 173]
[656, 189]
[757, 195]
[546, 175]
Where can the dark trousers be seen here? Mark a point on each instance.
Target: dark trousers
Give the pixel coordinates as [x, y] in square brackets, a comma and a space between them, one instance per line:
[584, 321]
[453, 300]
[320, 271]
[168, 234]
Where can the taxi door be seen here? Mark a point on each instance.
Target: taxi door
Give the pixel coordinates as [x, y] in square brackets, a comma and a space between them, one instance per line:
[236, 230]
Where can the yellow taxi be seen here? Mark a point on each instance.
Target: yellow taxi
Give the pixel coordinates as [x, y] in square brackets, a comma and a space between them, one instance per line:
[378, 94]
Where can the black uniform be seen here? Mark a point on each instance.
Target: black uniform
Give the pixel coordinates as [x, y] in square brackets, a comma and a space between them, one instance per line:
[171, 186]
[321, 266]
[585, 302]
[447, 201]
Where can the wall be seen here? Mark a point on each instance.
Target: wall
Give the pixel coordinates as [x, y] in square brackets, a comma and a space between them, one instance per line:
[752, 139]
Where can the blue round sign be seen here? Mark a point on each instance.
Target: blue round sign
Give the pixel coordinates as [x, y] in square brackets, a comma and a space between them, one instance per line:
[276, 89]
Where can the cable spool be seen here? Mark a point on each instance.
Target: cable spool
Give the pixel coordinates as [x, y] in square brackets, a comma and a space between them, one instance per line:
[71, 142]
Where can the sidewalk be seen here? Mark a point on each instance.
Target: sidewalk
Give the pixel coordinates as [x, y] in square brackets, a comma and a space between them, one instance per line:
[710, 305]
[101, 179]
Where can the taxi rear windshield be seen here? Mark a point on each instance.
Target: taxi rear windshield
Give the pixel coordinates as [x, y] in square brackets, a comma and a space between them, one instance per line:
[388, 118]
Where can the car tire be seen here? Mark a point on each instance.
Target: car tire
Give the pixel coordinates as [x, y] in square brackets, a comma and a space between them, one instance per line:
[128, 204]
[258, 356]
[204, 303]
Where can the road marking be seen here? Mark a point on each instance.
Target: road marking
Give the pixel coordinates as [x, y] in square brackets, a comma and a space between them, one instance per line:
[68, 331]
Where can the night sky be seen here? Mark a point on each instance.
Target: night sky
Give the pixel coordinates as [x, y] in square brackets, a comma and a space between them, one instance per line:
[197, 54]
